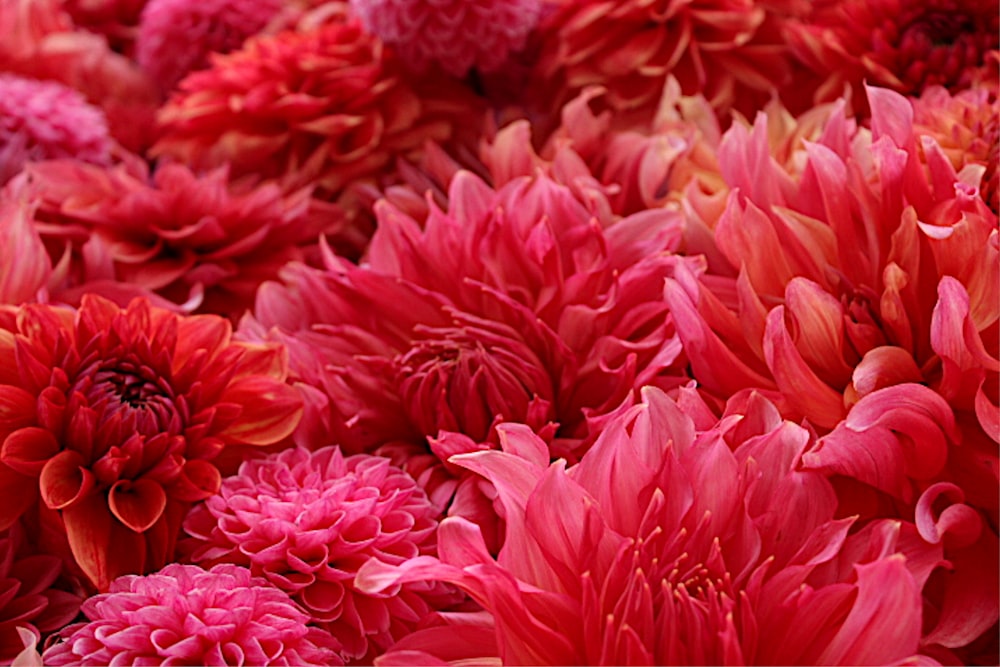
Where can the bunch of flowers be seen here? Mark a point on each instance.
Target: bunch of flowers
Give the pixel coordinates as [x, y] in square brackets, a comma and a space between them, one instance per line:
[551, 332]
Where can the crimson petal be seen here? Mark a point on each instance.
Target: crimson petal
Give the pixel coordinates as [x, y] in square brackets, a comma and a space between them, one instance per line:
[137, 504]
[64, 481]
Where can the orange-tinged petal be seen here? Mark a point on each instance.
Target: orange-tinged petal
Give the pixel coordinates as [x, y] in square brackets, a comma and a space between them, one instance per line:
[64, 481]
[271, 410]
[103, 548]
[137, 504]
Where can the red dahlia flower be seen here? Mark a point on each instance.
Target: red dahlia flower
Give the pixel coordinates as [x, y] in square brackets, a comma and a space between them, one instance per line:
[665, 546]
[455, 34]
[191, 239]
[43, 119]
[186, 615]
[112, 416]
[326, 106]
[307, 521]
[176, 36]
[30, 598]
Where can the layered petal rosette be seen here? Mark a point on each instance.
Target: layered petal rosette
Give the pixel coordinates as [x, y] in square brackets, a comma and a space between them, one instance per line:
[307, 521]
[186, 615]
[673, 545]
[112, 417]
[328, 106]
[204, 241]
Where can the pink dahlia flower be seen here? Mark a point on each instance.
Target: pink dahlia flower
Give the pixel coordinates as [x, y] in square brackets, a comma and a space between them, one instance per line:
[190, 616]
[674, 546]
[44, 119]
[306, 521]
[31, 596]
[729, 50]
[192, 239]
[112, 417]
[327, 106]
[176, 36]
[905, 45]
[39, 40]
[455, 34]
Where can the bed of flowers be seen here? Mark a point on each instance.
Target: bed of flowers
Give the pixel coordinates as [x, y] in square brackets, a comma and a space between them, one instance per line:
[482, 332]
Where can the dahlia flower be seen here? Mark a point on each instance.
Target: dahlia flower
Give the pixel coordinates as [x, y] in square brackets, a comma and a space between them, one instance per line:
[186, 615]
[867, 303]
[905, 45]
[112, 416]
[325, 107]
[30, 598]
[176, 36]
[183, 236]
[455, 34]
[44, 119]
[116, 20]
[729, 50]
[38, 40]
[26, 268]
[665, 546]
[306, 521]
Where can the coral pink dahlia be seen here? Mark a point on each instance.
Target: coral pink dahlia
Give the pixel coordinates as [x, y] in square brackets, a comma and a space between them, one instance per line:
[176, 36]
[112, 417]
[456, 34]
[307, 521]
[44, 119]
[184, 615]
[665, 546]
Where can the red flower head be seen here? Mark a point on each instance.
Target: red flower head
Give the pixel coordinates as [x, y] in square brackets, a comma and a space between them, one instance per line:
[44, 119]
[665, 546]
[455, 34]
[186, 615]
[307, 521]
[112, 416]
[323, 107]
[193, 240]
[905, 45]
[31, 597]
[176, 36]
[116, 20]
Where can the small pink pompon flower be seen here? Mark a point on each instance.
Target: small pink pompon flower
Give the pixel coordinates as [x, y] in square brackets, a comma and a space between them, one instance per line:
[306, 521]
[184, 615]
[456, 34]
[45, 119]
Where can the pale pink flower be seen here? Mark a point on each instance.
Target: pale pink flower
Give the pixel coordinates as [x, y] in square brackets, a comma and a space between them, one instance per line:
[176, 36]
[666, 546]
[186, 615]
[43, 119]
[307, 521]
[457, 35]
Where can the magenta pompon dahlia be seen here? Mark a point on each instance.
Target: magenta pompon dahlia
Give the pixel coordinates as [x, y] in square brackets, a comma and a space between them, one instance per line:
[307, 521]
[727, 553]
[184, 615]
[112, 416]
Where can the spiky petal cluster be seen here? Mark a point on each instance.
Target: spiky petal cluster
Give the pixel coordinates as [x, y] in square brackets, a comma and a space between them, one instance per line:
[455, 34]
[29, 598]
[730, 553]
[176, 36]
[201, 240]
[44, 119]
[112, 417]
[186, 615]
[306, 521]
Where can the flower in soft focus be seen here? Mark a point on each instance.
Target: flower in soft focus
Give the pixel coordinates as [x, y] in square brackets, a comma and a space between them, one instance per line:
[116, 20]
[673, 545]
[730, 51]
[112, 416]
[306, 521]
[176, 36]
[30, 597]
[905, 45]
[867, 302]
[327, 106]
[44, 119]
[38, 40]
[190, 616]
[26, 268]
[456, 34]
[201, 239]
